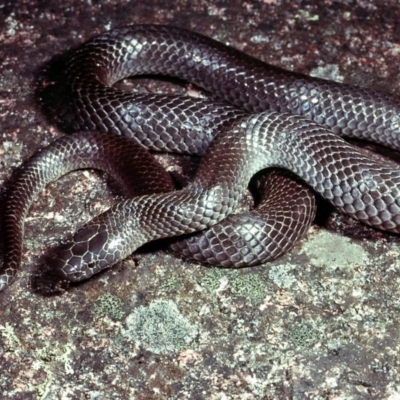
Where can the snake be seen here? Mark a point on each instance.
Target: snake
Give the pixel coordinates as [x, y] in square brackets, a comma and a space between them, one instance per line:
[266, 117]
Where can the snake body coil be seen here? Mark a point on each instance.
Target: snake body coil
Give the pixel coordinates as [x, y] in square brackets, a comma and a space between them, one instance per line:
[279, 132]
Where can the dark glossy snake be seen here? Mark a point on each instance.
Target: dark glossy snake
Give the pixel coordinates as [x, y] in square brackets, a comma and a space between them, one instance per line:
[267, 117]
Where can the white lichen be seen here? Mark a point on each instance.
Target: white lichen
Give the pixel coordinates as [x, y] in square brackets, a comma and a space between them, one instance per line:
[159, 328]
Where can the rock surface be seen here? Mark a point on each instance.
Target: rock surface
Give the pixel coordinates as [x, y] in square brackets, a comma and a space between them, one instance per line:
[319, 323]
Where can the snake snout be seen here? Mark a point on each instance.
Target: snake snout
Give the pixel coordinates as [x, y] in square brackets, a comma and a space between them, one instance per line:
[91, 250]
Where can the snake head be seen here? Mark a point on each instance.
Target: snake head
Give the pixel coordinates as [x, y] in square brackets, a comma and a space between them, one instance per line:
[91, 250]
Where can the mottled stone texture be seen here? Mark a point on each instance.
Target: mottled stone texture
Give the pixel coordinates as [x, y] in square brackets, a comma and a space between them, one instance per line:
[320, 323]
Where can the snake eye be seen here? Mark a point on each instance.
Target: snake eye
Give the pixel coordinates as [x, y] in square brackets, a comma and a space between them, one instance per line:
[91, 265]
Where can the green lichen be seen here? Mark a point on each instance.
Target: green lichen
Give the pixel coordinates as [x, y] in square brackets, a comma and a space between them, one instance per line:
[56, 353]
[170, 283]
[304, 334]
[46, 358]
[159, 328]
[347, 15]
[213, 278]
[282, 276]
[306, 15]
[249, 285]
[110, 306]
[11, 340]
[339, 252]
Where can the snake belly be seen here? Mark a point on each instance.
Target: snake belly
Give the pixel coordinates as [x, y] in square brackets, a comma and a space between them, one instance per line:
[272, 135]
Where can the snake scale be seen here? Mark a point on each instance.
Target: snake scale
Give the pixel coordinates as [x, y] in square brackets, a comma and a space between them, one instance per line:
[266, 116]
